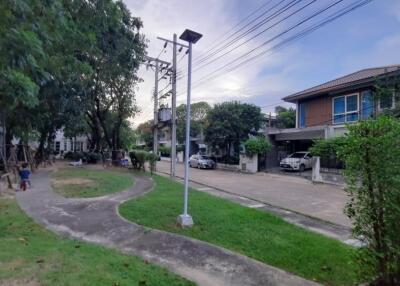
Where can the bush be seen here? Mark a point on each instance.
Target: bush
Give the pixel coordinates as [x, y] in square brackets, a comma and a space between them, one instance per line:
[152, 159]
[88, 157]
[180, 148]
[92, 157]
[258, 145]
[138, 159]
[372, 157]
[229, 160]
[68, 155]
[165, 151]
[328, 148]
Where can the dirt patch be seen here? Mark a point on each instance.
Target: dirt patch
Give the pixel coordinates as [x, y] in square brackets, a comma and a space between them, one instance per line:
[19, 282]
[59, 183]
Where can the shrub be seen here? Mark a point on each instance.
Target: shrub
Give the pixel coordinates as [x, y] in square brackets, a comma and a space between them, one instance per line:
[165, 151]
[328, 148]
[180, 148]
[258, 145]
[138, 159]
[92, 157]
[152, 159]
[372, 157]
[68, 155]
[229, 160]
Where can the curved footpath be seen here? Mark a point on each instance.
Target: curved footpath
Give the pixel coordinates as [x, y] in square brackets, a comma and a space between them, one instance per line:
[96, 220]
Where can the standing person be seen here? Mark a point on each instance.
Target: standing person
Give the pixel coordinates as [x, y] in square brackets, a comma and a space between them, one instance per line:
[24, 176]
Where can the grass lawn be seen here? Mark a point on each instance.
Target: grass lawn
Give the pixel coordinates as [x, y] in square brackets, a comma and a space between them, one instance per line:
[87, 183]
[251, 232]
[33, 256]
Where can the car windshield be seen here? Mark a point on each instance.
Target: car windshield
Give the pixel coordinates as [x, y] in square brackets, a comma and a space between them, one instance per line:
[297, 155]
[204, 157]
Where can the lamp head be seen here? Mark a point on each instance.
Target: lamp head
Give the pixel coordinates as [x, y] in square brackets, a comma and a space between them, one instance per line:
[190, 36]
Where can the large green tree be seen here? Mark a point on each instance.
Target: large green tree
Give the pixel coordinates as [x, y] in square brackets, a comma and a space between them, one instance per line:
[230, 123]
[70, 64]
[198, 119]
[285, 117]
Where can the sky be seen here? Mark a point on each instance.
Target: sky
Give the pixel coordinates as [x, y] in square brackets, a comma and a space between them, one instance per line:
[366, 37]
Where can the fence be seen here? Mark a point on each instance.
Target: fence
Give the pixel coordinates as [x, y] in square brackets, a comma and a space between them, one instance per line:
[331, 165]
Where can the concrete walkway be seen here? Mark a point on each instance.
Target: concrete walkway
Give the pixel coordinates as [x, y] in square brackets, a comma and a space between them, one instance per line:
[324, 202]
[96, 220]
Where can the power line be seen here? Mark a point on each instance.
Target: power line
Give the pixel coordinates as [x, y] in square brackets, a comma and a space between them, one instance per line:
[257, 35]
[230, 36]
[279, 35]
[253, 28]
[303, 33]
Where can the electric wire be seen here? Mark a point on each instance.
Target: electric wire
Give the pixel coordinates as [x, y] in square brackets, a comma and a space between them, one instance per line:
[252, 29]
[303, 33]
[256, 35]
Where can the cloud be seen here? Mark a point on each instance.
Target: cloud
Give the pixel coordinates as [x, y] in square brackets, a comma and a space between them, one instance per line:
[269, 78]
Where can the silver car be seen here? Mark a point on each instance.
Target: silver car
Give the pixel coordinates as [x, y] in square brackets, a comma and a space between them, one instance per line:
[298, 161]
[201, 162]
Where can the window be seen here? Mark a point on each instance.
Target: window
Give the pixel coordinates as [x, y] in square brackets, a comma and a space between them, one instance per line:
[302, 115]
[57, 146]
[388, 102]
[78, 146]
[65, 145]
[367, 104]
[345, 108]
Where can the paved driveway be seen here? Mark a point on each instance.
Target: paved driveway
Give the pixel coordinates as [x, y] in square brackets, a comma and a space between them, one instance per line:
[321, 201]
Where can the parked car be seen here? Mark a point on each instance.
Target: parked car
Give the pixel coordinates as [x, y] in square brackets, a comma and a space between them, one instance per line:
[298, 161]
[201, 162]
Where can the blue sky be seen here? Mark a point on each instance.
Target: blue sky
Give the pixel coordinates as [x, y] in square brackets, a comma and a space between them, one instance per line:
[367, 37]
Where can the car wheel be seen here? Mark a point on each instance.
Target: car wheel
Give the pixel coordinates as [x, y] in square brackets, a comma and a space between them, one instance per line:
[302, 168]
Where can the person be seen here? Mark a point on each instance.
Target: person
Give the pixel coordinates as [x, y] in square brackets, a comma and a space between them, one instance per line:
[24, 176]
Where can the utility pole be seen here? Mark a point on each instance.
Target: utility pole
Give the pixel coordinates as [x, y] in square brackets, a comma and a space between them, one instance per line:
[155, 120]
[173, 105]
[175, 45]
[155, 62]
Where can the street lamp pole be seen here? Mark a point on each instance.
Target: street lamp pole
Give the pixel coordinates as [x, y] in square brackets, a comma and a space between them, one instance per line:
[187, 144]
[185, 220]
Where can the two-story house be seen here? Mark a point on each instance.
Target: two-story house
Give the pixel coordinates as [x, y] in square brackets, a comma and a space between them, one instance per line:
[324, 110]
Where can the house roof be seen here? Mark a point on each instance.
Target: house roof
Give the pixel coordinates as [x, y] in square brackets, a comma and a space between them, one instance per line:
[353, 79]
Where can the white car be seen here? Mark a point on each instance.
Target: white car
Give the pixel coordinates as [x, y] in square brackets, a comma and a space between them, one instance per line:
[201, 162]
[298, 161]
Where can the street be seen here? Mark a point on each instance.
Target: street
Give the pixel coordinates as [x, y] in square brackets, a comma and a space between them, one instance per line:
[325, 202]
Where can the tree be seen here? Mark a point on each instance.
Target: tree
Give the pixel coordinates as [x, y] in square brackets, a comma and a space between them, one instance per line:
[372, 157]
[285, 117]
[230, 123]
[70, 64]
[198, 121]
[257, 145]
[115, 58]
[145, 132]
[38, 66]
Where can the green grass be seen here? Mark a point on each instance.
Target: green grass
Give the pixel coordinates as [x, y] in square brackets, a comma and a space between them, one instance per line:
[251, 232]
[30, 252]
[93, 182]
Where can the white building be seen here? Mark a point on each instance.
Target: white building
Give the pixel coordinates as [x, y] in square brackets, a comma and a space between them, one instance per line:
[63, 144]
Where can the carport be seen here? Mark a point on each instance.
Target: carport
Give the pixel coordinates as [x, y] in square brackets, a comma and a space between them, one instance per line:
[287, 141]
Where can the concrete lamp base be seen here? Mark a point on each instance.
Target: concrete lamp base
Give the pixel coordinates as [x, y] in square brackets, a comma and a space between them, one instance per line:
[185, 221]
